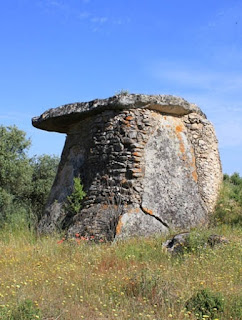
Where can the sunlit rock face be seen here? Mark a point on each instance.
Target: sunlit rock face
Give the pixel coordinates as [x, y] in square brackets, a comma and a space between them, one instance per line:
[148, 164]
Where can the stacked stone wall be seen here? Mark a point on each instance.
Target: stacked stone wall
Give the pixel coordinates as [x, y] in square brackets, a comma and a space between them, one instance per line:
[139, 171]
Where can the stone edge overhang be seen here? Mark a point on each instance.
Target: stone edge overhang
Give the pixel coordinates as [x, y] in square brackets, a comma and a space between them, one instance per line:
[62, 118]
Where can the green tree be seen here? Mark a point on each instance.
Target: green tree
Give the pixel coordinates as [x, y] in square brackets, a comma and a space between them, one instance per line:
[24, 182]
[44, 171]
[15, 169]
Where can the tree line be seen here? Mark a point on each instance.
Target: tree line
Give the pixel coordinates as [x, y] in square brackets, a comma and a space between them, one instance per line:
[25, 181]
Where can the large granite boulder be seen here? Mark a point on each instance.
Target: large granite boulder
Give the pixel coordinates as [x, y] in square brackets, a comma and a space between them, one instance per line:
[148, 163]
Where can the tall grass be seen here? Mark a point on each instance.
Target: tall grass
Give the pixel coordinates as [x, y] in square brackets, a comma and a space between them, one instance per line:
[45, 278]
[133, 279]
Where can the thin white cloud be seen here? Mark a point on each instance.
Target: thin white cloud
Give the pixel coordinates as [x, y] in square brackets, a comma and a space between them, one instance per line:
[84, 15]
[7, 117]
[80, 12]
[99, 20]
[196, 78]
[53, 3]
[18, 116]
[97, 23]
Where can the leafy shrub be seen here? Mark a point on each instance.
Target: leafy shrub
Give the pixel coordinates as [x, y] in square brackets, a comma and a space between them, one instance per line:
[197, 241]
[205, 302]
[15, 170]
[24, 182]
[122, 92]
[44, 171]
[74, 201]
[6, 201]
[229, 205]
[26, 310]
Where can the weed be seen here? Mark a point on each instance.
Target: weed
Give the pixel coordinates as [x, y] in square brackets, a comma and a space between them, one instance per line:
[114, 281]
[25, 310]
[197, 241]
[205, 303]
[74, 201]
[122, 92]
[229, 206]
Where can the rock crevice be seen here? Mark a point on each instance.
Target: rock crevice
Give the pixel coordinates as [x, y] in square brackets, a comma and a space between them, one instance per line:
[150, 213]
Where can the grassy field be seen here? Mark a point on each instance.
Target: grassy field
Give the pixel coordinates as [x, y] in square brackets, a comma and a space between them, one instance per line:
[47, 278]
[44, 278]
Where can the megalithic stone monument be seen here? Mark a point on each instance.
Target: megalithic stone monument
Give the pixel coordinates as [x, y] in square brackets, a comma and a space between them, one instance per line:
[148, 163]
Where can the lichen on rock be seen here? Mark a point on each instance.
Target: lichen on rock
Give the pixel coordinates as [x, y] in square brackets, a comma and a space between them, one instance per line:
[148, 163]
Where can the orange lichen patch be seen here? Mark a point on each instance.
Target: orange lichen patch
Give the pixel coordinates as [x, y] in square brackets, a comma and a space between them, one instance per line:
[194, 174]
[182, 147]
[137, 159]
[137, 154]
[148, 211]
[154, 114]
[129, 118]
[179, 128]
[189, 163]
[105, 206]
[136, 170]
[119, 226]
[133, 210]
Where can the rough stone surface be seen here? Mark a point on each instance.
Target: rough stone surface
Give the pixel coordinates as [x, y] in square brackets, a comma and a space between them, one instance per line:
[215, 239]
[177, 244]
[61, 119]
[180, 241]
[147, 163]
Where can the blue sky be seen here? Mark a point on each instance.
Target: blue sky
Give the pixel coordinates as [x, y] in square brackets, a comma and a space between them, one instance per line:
[60, 51]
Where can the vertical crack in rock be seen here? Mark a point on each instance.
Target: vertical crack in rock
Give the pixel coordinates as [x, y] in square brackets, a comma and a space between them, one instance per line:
[150, 213]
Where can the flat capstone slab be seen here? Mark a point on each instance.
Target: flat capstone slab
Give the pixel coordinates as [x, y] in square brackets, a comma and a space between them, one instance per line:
[60, 119]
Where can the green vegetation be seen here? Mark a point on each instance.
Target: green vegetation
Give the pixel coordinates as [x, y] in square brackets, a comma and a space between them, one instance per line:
[132, 279]
[123, 92]
[25, 310]
[24, 182]
[48, 278]
[206, 303]
[229, 206]
[74, 201]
